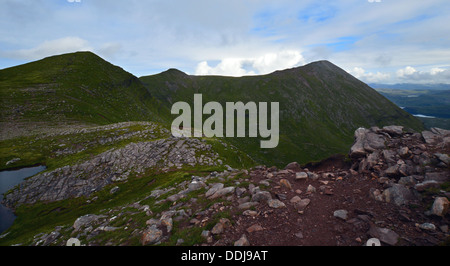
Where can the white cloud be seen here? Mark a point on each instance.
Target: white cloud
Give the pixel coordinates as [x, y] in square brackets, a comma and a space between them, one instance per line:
[436, 70]
[370, 77]
[227, 67]
[434, 75]
[49, 48]
[147, 37]
[407, 71]
[264, 64]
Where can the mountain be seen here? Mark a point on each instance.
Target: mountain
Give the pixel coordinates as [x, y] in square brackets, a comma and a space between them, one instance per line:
[320, 104]
[320, 107]
[411, 86]
[74, 88]
[112, 180]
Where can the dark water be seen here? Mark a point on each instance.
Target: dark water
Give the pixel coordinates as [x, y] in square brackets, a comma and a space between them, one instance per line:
[9, 179]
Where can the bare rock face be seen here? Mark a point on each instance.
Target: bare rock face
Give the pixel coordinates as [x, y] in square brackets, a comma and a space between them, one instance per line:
[114, 165]
[398, 194]
[437, 135]
[366, 140]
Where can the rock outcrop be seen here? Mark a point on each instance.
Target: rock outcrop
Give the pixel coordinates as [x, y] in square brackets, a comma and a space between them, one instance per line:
[116, 165]
[393, 191]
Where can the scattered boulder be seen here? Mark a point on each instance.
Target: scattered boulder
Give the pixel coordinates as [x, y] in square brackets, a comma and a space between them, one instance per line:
[426, 185]
[393, 130]
[222, 192]
[385, 235]
[254, 228]
[285, 183]
[301, 176]
[114, 190]
[151, 236]
[274, 203]
[214, 189]
[294, 166]
[310, 189]
[427, 226]
[443, 158]
[341, 214]
[440, 206]
[261, 196]
[86, 220]
[357, 150]
[302, 204]
[242, 242]
[398, 194]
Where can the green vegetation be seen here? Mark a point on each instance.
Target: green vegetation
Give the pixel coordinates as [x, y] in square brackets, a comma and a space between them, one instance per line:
[78, 87]
[58, 150]
[320, 104]
[74, 101]
[433, 103]
[320, 107]
[44, 217]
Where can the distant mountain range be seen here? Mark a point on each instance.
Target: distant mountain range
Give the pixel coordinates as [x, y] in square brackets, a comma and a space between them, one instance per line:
[321, 105]
[411, 86]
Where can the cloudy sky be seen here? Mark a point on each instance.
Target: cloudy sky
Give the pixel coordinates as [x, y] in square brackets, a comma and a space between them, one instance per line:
[378, 41]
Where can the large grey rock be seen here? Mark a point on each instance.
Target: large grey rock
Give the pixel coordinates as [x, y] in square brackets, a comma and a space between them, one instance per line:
[427, 226]
[393, 171]
[440, 206]
[384, 234]
[301, 176]
[389, 156]
[398, 194]
[393, 130]
[222, 192]
[357, 150]
[436, 136]
[443, 158]
[372, 159]
[151, 236]
[430, 137]
[195, 185]
[341, 214]
[426, 185]
[302, 204]
[366, 141]
[439, 177]
[247, 205]
[274, 203]
[408, 181]
[214, 189]
[86, 220]
[374, 141]
[261, 196]
[243, 241]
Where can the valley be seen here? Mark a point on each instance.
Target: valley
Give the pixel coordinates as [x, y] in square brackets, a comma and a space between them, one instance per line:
[116, 175]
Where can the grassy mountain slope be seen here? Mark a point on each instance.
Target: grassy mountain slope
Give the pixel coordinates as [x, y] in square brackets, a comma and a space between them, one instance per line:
[320, 107]
[320, 104]
[78, 87]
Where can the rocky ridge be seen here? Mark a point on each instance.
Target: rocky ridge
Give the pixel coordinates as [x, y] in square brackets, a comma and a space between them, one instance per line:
[114, 165]
[393, 191]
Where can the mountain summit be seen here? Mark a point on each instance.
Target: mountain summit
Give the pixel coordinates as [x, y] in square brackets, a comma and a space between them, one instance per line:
[320, 104]
[320, 107]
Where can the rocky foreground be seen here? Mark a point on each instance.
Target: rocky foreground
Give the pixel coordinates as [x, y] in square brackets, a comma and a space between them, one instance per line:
[392, 189]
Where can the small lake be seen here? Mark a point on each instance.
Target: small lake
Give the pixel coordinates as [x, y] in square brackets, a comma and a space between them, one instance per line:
[8, 180]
